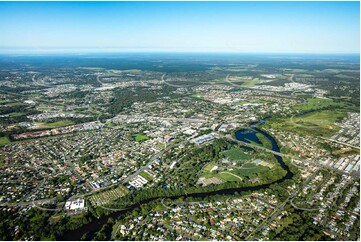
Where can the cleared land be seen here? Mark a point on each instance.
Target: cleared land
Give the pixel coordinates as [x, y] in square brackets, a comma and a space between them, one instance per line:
[4, 140]
[140, 137]
[228, 176]
[248, 170]
[56, 124]
[197, 95]
[243, 81]
[59, 124]
[235, 154]
[316, 104]
[321, 118]
[243, 102]
[319, 123]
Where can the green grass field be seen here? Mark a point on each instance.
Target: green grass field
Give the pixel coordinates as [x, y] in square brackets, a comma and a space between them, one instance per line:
[344, 76]
[250, 83]
[57, 124]
[146, 175]
[209, 167]
[197, 95]
[243, 102]
[304, 75]
[4, 140]
[208, 174]
[15, 103]
[140, 137]
[317, 123]
[248, 170]
[5, 101]
[321, 118]
[35, 95]
[16, 114]
[228, 177]
[317, 103]
[206, 171]
[265, 142]
[235, 154]
[243, 81]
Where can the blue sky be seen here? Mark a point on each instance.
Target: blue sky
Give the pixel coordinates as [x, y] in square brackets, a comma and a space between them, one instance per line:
[287, 27]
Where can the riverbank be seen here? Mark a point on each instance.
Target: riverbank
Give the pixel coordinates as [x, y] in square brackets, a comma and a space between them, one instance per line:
[97, 223]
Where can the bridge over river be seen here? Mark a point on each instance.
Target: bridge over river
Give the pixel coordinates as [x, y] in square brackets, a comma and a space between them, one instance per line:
[258, 147]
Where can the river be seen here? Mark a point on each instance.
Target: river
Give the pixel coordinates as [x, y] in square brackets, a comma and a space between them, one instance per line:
[242, 135]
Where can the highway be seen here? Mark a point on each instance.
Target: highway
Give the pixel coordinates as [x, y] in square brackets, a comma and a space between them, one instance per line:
[339, 142]
[98, 80]
[228, 136]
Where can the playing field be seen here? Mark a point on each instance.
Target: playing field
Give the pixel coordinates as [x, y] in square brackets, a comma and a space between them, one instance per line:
[140, 137]
[238, 174]
[209, 167]
[57, 124]
[197, 95]
[228, 176]
[235, 154]
[146, 175]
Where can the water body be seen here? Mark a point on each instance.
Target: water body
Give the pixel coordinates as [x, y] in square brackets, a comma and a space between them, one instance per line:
[247, 134]
[276, 148]
[242, 135]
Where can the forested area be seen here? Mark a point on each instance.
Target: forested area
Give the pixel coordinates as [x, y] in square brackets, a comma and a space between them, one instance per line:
[124, 98]
[38, 224]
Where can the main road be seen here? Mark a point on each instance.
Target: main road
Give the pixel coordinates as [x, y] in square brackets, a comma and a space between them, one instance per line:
[281, 207]
[151, 160]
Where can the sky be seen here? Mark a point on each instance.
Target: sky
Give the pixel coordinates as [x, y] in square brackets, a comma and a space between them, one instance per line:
[248, 27]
